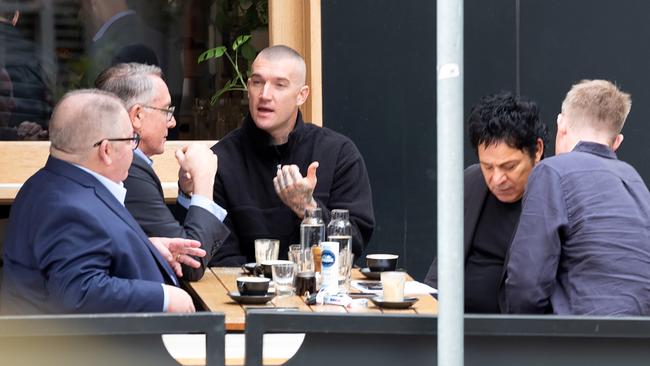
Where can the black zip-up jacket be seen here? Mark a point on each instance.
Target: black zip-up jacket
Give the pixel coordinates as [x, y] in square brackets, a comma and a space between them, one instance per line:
[248, 162]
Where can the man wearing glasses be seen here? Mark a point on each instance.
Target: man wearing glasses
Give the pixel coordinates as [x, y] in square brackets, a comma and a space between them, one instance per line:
[148, 103]
[71, 245]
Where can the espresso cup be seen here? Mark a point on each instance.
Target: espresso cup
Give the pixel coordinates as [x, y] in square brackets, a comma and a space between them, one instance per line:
[253, 286]
[266, 267]
[381, 262]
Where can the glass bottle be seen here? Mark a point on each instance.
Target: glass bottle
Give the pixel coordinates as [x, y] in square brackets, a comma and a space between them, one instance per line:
[312, 228]
[340, 230]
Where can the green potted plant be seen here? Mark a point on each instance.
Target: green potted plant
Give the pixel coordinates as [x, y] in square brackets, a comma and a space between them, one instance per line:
[238, 82]
[236, 21]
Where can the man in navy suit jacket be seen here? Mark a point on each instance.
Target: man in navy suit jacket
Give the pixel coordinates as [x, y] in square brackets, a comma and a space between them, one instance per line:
[71, 245]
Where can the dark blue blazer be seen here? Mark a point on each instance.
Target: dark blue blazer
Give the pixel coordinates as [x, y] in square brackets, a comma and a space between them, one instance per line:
[71, 247]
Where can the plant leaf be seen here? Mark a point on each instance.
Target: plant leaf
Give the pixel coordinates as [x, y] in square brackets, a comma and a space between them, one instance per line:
[240, 41]
[220, 92]
[212, 53]
[248, 51]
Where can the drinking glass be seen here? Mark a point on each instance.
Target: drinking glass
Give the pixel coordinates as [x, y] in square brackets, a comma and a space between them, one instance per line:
[392, 284]
[306, 282]
[303, 258]
[295, 253]
[283, 277]
[266, 249]
[346, 259]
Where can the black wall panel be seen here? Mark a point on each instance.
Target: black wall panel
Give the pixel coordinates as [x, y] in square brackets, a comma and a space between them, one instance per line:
[563, 42]
[379, 87]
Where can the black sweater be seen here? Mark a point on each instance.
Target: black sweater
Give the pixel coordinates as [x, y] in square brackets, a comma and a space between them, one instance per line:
[244, 187]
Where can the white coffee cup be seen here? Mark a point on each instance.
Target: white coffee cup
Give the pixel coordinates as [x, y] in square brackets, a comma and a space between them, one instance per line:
[392, 284]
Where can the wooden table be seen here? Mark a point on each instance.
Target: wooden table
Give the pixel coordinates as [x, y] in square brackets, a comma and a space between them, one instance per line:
[212, 292]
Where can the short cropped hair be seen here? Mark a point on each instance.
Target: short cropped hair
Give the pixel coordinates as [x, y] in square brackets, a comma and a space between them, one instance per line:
[83, 117]
[598, 103]
[129, 81]
[281, 51]
[505, 118]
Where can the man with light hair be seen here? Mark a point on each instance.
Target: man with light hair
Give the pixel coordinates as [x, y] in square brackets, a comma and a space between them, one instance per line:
[71, 245]
[582, 245]
[148, 104]
[260, 180]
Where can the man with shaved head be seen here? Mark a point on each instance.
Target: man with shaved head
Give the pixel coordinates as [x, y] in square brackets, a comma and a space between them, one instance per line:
[267, 174]
[71, 246]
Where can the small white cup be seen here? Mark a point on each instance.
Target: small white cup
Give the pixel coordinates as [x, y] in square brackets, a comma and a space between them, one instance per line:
[392, 284]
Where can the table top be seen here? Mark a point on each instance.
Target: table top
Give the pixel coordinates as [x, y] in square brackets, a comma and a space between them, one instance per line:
[212, 292]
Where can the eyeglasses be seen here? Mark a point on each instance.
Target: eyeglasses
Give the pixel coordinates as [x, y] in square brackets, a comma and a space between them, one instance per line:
[168, 111]
[135, 140]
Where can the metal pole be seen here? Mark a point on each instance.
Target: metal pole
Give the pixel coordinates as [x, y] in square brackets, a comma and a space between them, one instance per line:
[48, 39]
[450, 182]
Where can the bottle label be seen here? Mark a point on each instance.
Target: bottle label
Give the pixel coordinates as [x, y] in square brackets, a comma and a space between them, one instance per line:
[328, 259]
[330, 266]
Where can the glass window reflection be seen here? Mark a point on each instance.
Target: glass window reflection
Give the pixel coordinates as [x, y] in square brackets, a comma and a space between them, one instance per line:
[48, 47]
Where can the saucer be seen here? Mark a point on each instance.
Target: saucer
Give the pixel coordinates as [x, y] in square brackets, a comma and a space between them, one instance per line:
[405, 304]
[249, 267]
[370, 274]
[247, 299]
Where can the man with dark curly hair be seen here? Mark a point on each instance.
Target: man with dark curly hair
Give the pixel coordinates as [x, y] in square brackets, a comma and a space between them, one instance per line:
[509, 139]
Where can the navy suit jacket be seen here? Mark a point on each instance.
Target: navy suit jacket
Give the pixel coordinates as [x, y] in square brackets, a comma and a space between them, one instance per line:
[146, 202]
[71, 247]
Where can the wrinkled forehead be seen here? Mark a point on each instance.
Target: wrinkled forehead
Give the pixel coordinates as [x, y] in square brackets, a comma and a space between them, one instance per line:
[161, 90]
[281, 67]
[499, 152]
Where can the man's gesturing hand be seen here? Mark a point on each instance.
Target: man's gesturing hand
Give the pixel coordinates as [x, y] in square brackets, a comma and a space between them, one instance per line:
[294, 190]
[177, 251]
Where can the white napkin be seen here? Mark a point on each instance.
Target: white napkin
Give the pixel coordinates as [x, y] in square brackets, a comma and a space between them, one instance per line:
[410, 287]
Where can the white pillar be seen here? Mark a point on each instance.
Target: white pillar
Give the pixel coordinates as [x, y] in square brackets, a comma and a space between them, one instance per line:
[450, 182]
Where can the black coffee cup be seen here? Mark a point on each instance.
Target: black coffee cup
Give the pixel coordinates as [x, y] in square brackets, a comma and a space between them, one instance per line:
[381, 262]
[253, 286]
[305, 282]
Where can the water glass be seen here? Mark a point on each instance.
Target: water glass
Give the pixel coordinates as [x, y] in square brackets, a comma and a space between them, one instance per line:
[295, 253]
[266, 249]
[392, 284]
[303, 258]
[346, 259]
[283, 277]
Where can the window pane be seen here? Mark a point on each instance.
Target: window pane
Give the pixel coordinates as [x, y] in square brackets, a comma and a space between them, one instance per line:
[48, 47]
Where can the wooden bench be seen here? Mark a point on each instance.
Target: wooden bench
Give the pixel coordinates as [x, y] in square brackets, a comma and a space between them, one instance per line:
[20, 160]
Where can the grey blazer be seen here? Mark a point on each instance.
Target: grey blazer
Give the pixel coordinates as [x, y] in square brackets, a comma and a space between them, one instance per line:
[475, 192]
[145, 201]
